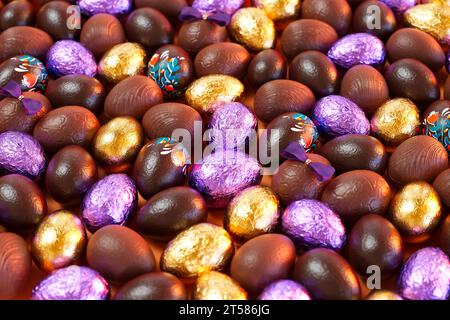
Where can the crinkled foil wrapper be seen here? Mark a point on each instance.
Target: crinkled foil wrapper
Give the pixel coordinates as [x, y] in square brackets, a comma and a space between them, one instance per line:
[225, 6]
[426, 276]
[400, 6]
[214, 285]
[114, 7]
[383, 295]
[201, 248]
[72, 283]
[279, 9]
[284, 290]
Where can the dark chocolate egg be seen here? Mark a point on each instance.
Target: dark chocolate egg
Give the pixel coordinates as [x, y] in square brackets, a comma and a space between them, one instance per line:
[148, 27]
[366, 87]
[262, 261]
[195, 35]
[410, 78]
[132, 97]
[374, 17]
[70, 173]
[356, 193]
[442, 185]
[266, 66]
[420, 158]
[337, 13]
[170, 9]
[327, 276]
[169, 212]
[22, 204]
[15, 265]
[280, 96]
[65, 126]
[447, 89]
[307, 34]
[119, 253]
[53, 19]
[153, 286]
[27, 71]
[374, 241]
[444, 236]
[356, 152]
[410, 43]
[316, 71]
[16, 13]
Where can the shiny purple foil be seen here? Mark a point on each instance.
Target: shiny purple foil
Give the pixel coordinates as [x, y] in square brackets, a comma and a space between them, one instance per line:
[68, 57]
[425, 276]
[231, 125]
[312, 224]
[400, 6]
[223, 174]
[22, 154]
[284, 290]
[72, 283]
[337, 116]
[225, 6]
[110, 201]
[114, 7]
[358, 48]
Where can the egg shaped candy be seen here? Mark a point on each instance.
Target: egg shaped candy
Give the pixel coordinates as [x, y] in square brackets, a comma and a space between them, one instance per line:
[437, 122]
[29, 72]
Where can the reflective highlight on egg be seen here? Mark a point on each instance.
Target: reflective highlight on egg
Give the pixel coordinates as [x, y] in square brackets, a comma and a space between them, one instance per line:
[214, 285]
[279, 9]
[285, 290]
[383, 295]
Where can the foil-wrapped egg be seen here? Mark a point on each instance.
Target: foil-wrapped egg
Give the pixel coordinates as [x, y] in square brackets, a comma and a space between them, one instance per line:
[383, 295]
[29, 72]
[400, 6]
[201, 248]
[59, 241]
[224, 6]
[279, 9]
[214, 285]
[437, 122]
[284, 290]
[113, 7]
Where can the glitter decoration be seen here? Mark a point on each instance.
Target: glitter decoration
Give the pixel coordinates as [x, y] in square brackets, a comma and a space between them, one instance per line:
[224, 6]
[285, 290]
[383, 295]
[400, 6]
[29, 72]
[437, 125]
[279, 9]
[114, 7]
[214, 285]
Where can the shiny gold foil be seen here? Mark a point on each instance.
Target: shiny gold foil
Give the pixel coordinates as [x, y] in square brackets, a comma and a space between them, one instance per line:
[433, 18]
[201, 248]
[59, 241]
[279, 9]
[252, 28]
[122, 61]
[203, 93]
[383, 295]
[217, 286]
[395, 121]
[415, 211]
[252, 212]
[118, 142]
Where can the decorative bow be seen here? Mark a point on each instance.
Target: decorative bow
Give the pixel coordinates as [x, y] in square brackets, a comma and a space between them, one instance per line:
[295, 151]
[192, 14]
[13, 90]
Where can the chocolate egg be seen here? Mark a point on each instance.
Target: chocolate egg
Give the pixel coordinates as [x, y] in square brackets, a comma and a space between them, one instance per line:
[214, 285]
[374, 241]
[327, 276]
[316, 71]
[196, 35]
[444, 236]
[15, 262]
[148, 27]
[22, 204]
[447, 88]
[355, 152]
[337, 13]
[357, 193]
[169, 212]
[153, 286]
[442, 185]
[65, 126]
[266, 66]
[27, 71]
[374, 17]
[383, 295]
[137, 93]
[70, 173]
[53, 18]
[263, 260]
[280, 96]
[170, 9]
[419, 158]
[16, 13]
[119, 253]
[437, 122]
[307, 34]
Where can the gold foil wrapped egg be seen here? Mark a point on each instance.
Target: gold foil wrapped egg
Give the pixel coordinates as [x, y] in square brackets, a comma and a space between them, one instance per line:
[383, 295]
[433, 18]
[254, 211]
[395, 121]
[122, 61]
[118, 142]
[214, 285]
[415, 211]
[204, 93]
[252, 28]
[201, 248]
[59, 241]
[279, 9]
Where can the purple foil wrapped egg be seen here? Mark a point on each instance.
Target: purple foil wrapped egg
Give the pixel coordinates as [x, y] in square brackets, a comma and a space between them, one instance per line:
[110, 201]
[68, 57]
[425, 275]
[312, 224]
[225, 6]
[284, 290]
[224, 174]
[114, 7]
[358, 48]
[22, 154]
[72, 283]
[231, 125]
[338, 116]
[400, 6]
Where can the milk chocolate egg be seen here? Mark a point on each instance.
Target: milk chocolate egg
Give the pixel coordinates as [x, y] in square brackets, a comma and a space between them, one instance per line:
[357, 193]
[437, 122]
[195, 35]
[53, 19]
[17, 13]
[444, 236]
[337, 13]
[374, 17]
[442, 186]
[266, 66]
[170, 9]
[27, 71]
[214, 285]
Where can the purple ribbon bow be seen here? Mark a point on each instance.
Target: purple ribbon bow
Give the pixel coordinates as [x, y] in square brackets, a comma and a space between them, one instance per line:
[191, 14]
[13, 90]
[295, 151]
